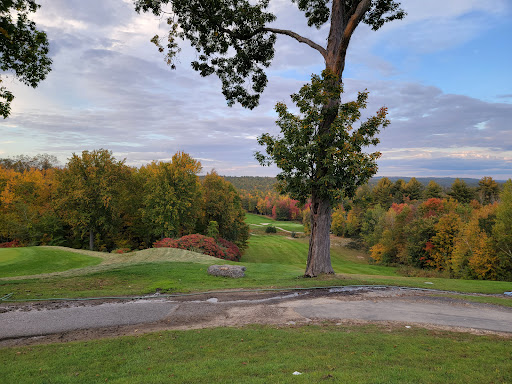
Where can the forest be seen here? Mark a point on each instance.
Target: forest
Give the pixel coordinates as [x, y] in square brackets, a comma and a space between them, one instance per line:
[98, 202]
[460, 231]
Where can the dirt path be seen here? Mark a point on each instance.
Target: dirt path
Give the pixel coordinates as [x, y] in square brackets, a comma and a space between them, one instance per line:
[43, 322]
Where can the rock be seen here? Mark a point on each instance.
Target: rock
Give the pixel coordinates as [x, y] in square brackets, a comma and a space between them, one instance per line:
[234, 271]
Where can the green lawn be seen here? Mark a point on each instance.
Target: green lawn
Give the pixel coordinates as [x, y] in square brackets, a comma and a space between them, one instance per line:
[257, 354]
[36, 260]
[272, 261]
[294, 252]
[256, 220]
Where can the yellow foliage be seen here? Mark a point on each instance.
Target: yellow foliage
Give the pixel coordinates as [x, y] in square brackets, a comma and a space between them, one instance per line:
[473, 252]
[377, 252]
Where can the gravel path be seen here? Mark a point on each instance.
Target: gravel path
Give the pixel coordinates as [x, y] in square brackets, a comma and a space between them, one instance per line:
[77, 320]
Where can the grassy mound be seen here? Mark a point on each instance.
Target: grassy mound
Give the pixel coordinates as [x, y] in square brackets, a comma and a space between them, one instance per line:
[37, 260]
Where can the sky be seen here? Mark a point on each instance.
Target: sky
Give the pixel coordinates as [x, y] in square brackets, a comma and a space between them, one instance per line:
[444, 72]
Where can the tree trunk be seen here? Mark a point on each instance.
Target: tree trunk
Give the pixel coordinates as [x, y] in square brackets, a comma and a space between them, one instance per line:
[91, 240]
[319, 255]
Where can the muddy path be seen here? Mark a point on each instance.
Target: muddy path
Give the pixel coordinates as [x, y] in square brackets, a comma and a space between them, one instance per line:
[62, 321]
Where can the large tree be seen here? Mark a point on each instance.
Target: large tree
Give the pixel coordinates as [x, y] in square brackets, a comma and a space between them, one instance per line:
[234, 41]
[172, 193]
[23, 48]
[222, 204]
[90, 189]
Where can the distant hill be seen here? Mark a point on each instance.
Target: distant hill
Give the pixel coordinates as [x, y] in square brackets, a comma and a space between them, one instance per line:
[445, 182]
[266, 184]
[252, 183]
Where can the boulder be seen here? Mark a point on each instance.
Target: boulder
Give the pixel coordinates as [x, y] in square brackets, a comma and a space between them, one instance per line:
[234, 271]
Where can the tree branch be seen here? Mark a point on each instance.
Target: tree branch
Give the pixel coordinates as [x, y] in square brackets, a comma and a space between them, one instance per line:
[300, 39]
[354, 20]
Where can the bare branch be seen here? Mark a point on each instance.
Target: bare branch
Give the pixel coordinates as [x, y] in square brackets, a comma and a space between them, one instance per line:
[300, 39]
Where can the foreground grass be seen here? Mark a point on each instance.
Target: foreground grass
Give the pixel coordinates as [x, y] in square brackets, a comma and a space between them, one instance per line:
[343, 354]
[36, 260]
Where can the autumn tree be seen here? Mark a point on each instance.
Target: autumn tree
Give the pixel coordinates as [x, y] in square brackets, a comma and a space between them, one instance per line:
[89, 191]
[23, 48]
[339, 221]
[473, 253]
[221, 203]
[447, 229]
[26, 204]
[234, 41]
[171, 196]
[502, 229]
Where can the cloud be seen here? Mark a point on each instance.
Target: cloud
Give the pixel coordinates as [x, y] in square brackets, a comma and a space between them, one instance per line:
[111, 89]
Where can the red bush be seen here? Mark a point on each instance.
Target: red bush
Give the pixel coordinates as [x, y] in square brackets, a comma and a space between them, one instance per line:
[121, 250]
[219, 248]
[10, 244]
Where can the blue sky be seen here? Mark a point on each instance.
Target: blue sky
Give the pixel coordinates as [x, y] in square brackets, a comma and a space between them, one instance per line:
[444, 72]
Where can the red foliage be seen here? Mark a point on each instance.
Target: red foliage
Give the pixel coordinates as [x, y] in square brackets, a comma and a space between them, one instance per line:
[219, 248]
[286, 209]
[432, 207]
[10, 244]
[294, 210]
[121, 250]
[398, 208]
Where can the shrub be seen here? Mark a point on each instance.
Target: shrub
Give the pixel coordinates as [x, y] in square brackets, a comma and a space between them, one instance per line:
[219, 248]
[293, 235]
[121, 250]
[271, 229]
[10, 244]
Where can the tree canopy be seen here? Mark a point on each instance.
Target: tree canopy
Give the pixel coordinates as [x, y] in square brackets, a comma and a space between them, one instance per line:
[23, 48]
[301, 149]
[234, 41]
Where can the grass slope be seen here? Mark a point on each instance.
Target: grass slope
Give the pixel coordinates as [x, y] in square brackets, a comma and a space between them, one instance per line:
[258, 220]
[340, 354]
[272, 261]
[36, 260]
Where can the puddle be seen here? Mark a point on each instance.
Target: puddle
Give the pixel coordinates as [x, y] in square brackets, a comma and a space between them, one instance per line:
[281, 297]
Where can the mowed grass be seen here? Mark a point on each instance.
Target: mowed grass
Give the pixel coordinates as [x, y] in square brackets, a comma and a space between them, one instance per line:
[251, 218]
[258, 354]
[294, 252]
[272, 261]
[35, 260]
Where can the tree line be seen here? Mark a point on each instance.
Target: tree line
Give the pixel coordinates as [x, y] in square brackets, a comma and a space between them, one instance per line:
[462, 232]
[98, 202]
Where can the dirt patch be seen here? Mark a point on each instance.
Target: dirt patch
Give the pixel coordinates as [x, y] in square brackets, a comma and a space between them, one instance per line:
[232, 309]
